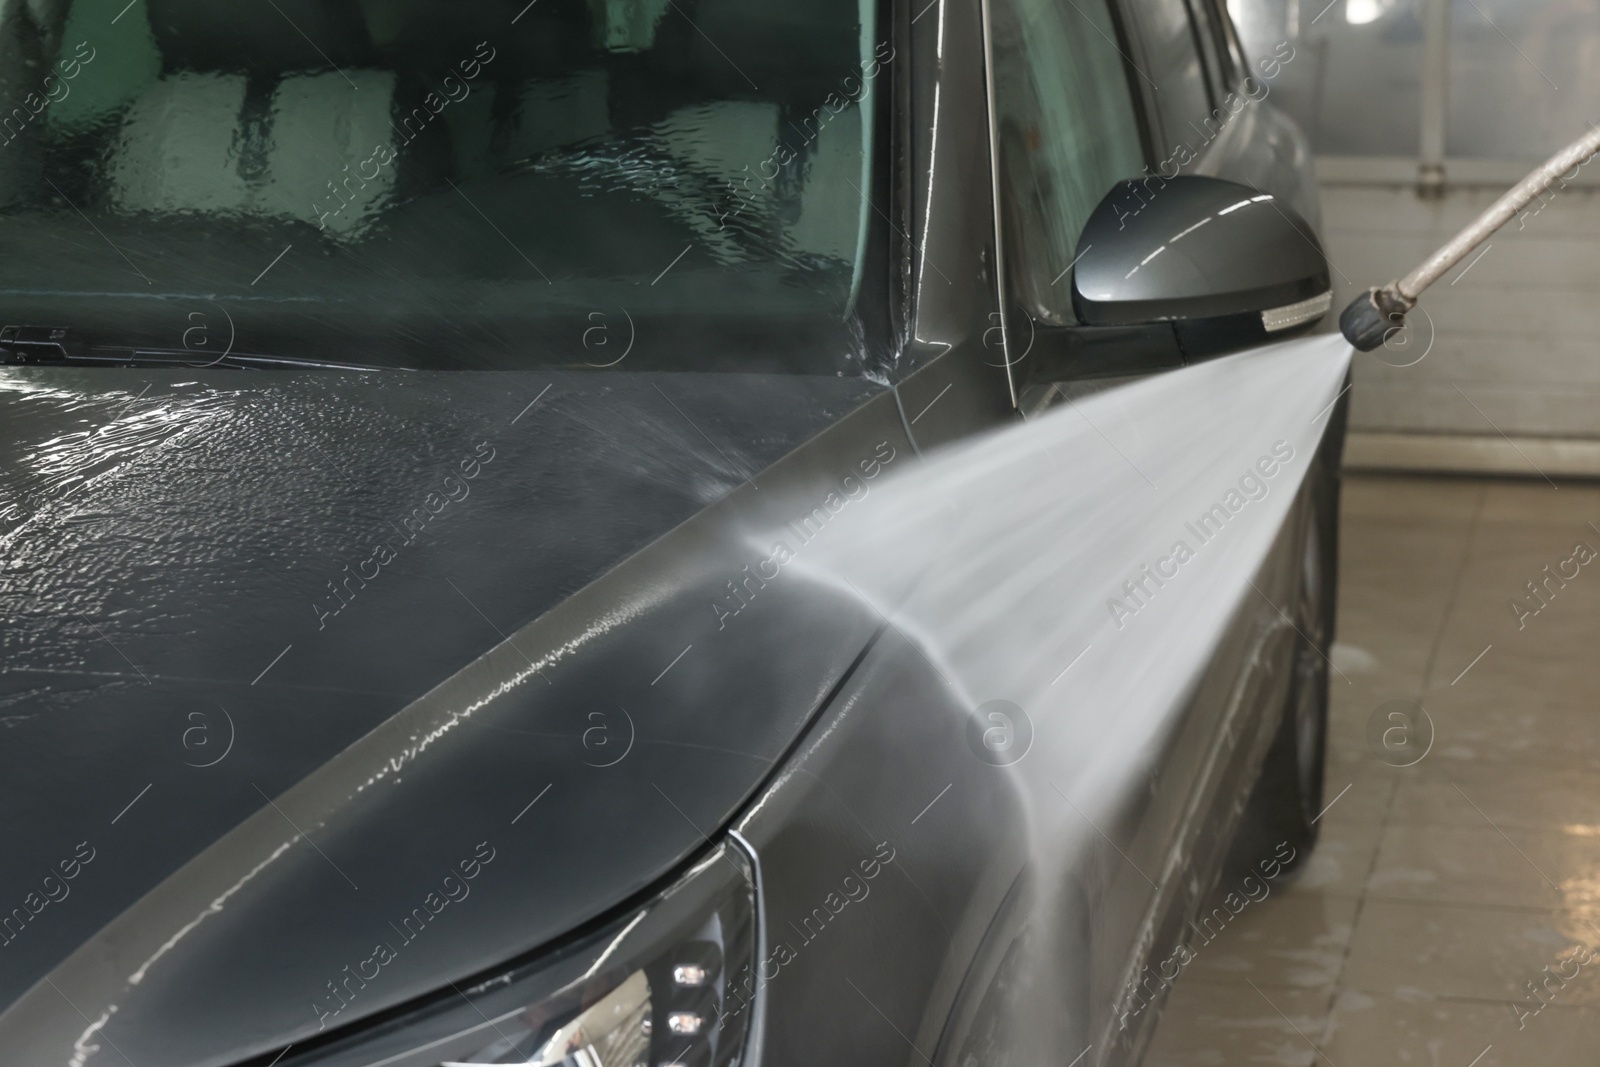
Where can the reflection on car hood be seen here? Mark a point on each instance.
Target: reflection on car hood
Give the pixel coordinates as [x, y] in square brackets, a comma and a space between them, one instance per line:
[218, 584]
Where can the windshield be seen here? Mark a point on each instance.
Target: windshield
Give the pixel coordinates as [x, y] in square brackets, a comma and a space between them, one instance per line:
[640, 184]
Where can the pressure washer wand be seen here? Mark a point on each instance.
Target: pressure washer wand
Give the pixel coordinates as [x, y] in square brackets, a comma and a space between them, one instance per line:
[1376, 313]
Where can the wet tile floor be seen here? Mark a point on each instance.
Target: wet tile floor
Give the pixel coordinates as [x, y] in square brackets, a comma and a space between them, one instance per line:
[1441, 888]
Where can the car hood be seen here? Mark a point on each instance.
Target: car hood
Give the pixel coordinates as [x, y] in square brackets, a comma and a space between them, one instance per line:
[284, 651]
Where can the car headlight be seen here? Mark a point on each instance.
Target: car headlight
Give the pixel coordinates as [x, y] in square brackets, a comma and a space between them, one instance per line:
[656, 988]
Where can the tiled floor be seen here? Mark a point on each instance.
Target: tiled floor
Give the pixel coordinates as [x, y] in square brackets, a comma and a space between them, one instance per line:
[1439, 890]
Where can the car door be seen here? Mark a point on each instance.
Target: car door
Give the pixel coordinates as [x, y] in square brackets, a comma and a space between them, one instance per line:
[1070, 95]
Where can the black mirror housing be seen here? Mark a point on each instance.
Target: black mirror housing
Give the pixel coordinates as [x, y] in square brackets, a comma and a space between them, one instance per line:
[1226, 265]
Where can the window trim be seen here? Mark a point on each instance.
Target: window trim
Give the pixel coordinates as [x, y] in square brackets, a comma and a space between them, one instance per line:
[1231, 45]
[1002, 262]
[1210, 71]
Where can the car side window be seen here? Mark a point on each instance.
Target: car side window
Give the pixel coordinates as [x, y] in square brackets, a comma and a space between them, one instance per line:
[1067, 133]
[1171, 62]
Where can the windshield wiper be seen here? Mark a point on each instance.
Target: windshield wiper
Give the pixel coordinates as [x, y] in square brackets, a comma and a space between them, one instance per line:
[56, 346]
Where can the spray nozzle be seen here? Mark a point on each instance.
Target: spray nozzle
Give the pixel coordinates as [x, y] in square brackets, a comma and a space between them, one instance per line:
[1371, 318]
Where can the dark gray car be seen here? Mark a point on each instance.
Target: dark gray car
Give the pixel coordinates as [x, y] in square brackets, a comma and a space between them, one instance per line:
[395, 391]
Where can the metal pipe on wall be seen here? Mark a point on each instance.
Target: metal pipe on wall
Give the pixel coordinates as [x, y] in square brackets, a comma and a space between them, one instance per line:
[1435, 103]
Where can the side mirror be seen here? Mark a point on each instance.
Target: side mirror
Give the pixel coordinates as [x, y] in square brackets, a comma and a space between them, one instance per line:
[1176, 270]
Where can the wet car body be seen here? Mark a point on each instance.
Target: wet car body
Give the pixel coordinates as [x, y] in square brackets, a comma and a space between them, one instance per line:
[557, 672]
